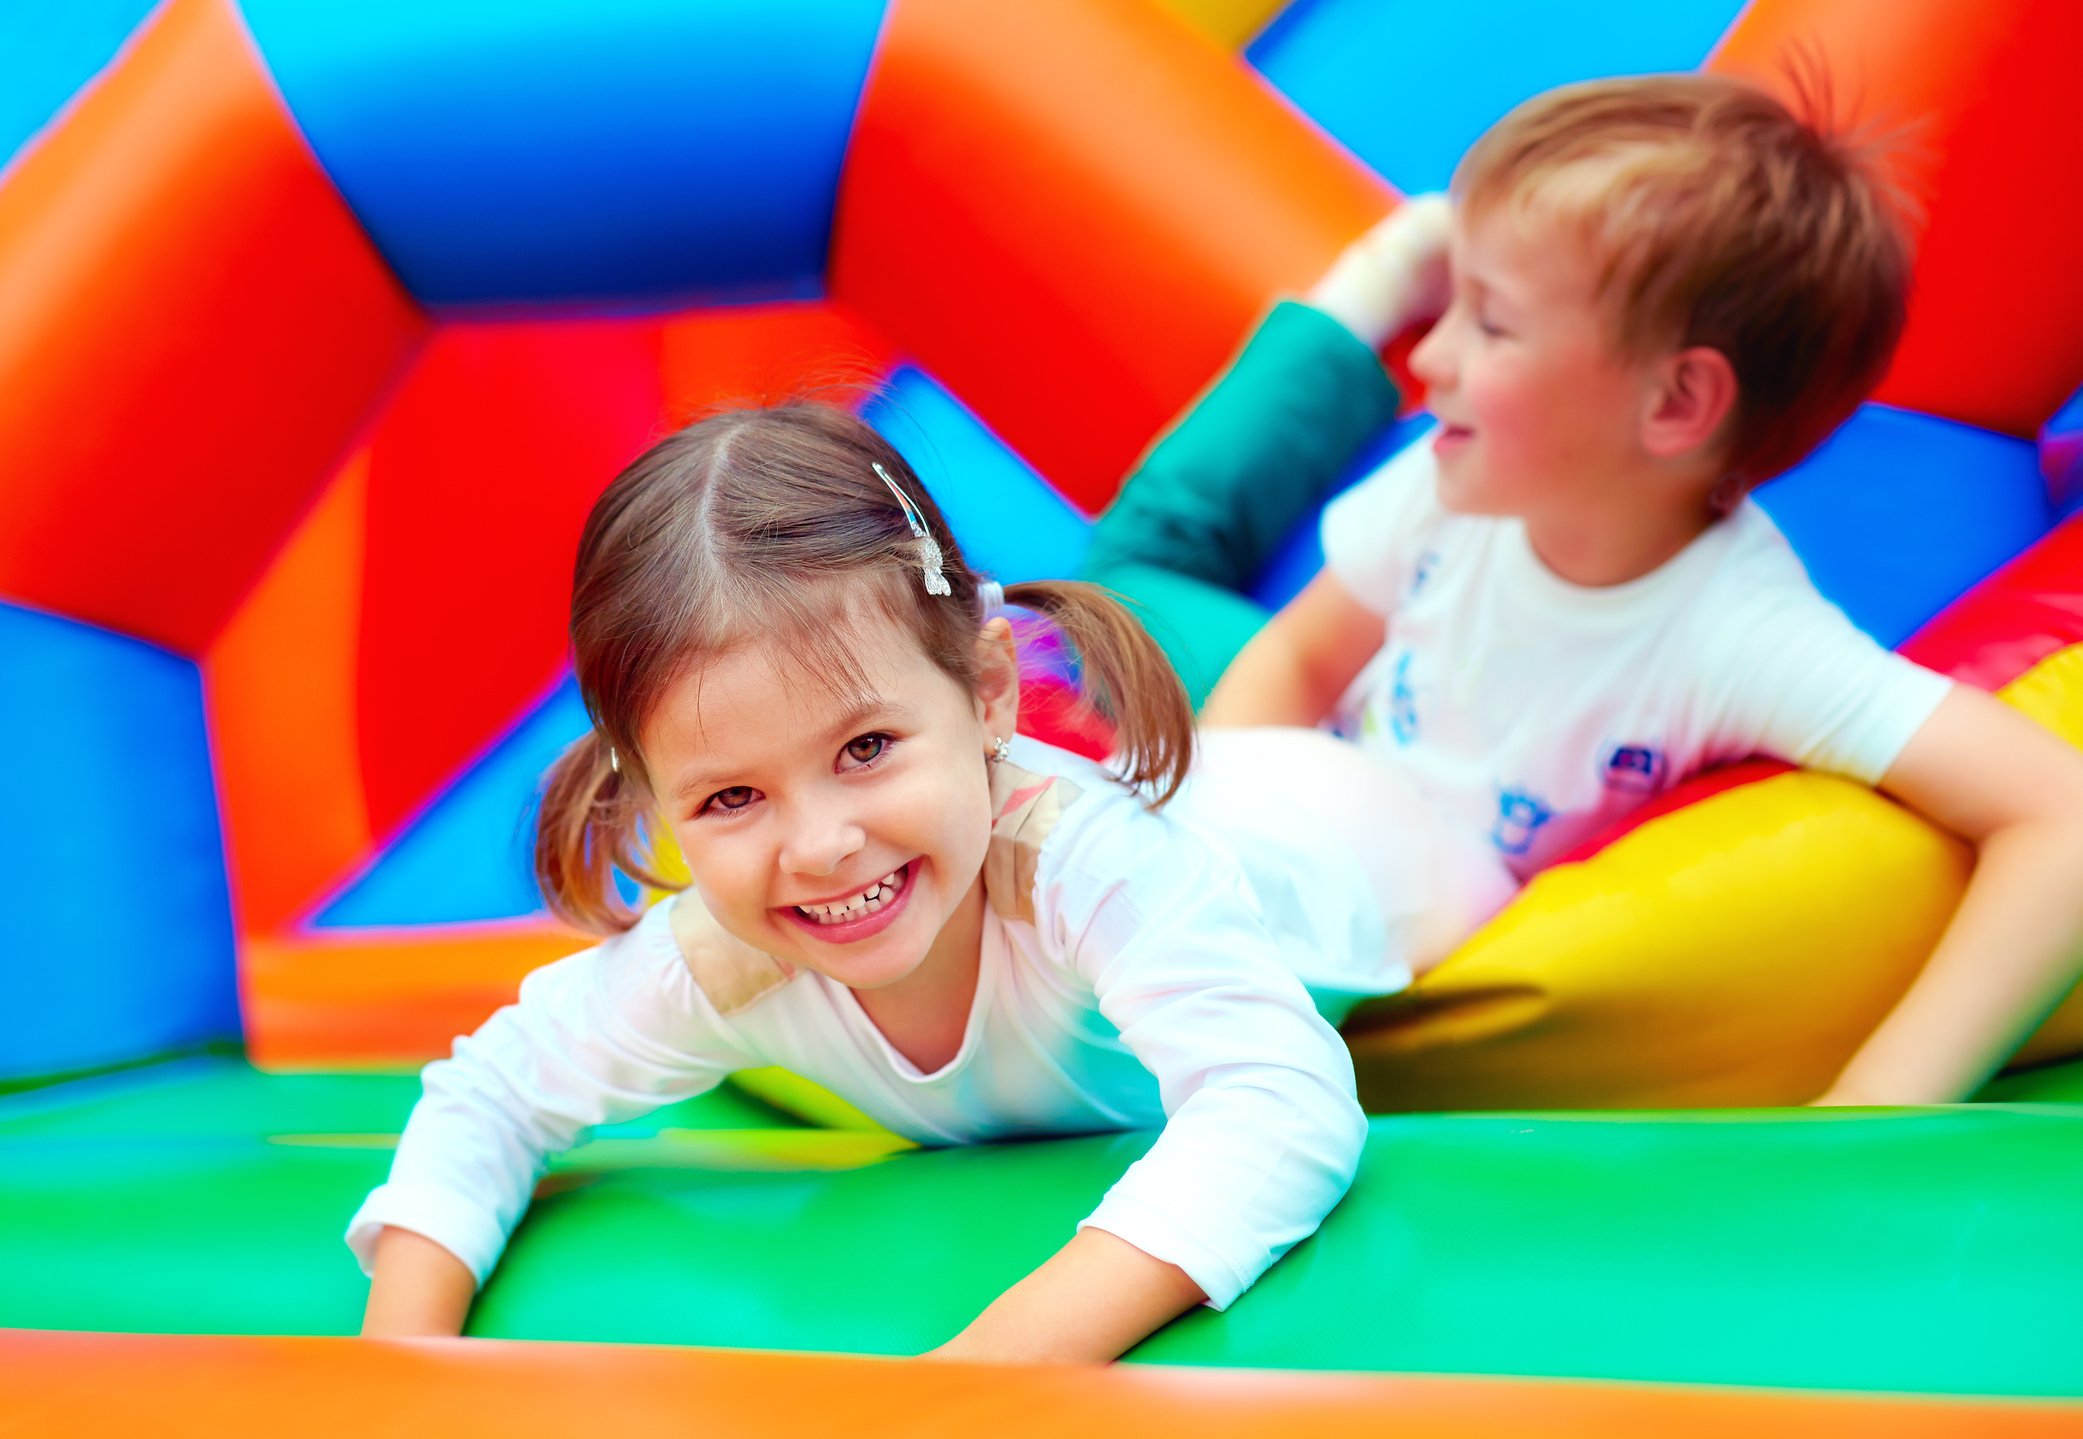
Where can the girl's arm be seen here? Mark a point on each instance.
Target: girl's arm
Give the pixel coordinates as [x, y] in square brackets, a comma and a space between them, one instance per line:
[1262, 1133]
[1088, 1303]
[417, 1288]
[2015, 945]
[607, 1034]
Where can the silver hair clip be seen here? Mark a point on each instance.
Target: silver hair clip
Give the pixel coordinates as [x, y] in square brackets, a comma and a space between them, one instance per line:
[614, 761]
[929, 548]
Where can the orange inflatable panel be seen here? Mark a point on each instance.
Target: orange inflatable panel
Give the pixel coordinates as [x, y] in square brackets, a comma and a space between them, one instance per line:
[385, 998]
[177, 1385]
[1075, 260]
[280, 682]
[192, 327]
[1993, 146]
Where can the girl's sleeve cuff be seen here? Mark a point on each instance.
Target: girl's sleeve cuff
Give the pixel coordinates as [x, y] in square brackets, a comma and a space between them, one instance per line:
[1160, 1236]
[454, 1223]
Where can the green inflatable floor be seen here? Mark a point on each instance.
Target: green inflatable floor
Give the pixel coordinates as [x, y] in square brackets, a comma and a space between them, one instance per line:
[1919, 1251]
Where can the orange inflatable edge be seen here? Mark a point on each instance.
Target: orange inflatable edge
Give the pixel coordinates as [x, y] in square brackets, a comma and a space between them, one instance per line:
[178, 1385]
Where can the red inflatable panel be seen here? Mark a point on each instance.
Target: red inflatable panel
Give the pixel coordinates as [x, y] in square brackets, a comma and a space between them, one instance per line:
[192, 328]
[2026, 611]
[1075, 260]
[764, 354]
[480, 476]
[1052, 711]
[1994, 149]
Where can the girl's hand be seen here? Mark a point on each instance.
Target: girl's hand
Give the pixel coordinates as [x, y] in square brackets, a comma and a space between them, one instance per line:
[418, 1289]
[1838, 1096]
[1091, 1301]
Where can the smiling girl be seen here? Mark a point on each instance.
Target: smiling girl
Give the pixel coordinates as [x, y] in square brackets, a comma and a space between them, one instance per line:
[968, 935]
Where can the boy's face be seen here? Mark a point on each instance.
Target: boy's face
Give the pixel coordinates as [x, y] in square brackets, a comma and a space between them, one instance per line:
[1540, 416]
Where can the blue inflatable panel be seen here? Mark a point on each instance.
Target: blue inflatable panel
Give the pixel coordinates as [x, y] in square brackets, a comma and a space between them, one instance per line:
[1899, 513]
[1407, 85]
[509, 156]
[48, 53]
[115, 922]
[467, 856]
[1013, 526]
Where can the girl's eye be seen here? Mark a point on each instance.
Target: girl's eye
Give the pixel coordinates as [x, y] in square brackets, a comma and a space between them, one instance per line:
[864, 750]
[1488, 326]
[730, 801]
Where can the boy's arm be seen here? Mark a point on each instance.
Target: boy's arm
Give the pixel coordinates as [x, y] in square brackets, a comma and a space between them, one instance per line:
[2015, 945]
[1295, 668]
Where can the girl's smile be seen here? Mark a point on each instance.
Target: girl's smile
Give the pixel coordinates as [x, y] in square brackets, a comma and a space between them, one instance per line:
[851, 917]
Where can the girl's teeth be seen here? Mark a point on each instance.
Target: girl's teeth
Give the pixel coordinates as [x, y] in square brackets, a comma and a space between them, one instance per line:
[874, 897]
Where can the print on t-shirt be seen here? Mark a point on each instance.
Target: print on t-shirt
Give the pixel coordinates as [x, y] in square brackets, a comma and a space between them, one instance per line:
[1403, 702]
[1423, 571]
[1637, 768]
[1519, 819]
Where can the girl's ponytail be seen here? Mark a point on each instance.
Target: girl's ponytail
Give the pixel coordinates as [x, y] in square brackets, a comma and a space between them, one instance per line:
[1126, 678]
[591, 825]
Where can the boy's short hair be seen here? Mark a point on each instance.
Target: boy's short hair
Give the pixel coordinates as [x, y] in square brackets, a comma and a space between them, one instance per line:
[1719, 217]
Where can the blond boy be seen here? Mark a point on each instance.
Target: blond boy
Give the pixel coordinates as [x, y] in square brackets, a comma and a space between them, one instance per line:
[1652, 294]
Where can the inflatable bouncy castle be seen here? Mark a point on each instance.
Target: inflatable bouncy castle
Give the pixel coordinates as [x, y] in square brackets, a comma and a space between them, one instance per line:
[321, 327]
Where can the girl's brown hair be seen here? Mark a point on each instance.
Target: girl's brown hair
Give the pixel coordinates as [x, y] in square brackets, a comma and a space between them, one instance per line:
[770, 527]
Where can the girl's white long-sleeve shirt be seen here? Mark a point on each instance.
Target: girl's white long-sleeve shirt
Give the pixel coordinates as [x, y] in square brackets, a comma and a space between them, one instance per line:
[1134, 973]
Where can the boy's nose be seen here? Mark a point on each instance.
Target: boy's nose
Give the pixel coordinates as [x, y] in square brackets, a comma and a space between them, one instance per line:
[1432, 358]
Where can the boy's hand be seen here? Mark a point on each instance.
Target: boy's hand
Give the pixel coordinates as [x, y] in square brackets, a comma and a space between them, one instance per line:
[1394, 276]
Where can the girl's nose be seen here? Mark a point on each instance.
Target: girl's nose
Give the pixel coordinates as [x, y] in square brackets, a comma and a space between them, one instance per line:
[821, 838]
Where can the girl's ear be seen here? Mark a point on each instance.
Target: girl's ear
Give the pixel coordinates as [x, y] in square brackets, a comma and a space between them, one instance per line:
[998, 678]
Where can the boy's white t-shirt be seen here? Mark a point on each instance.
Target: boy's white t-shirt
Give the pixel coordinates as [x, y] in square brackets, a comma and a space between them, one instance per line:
[1146, 979]
[1535, 712]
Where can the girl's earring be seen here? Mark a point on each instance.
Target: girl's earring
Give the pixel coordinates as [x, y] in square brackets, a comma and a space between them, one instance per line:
[1001, 749]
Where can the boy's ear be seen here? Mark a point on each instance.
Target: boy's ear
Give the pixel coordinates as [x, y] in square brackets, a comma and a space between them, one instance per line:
[998, 677]
[1696, 392]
